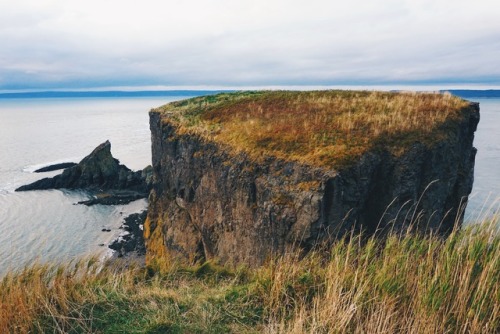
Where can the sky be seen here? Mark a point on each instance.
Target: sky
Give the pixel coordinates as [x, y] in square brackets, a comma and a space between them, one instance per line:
[68, 44]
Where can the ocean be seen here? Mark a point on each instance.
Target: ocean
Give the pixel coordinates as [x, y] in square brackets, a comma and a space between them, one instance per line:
[485, 196]
[47, 226]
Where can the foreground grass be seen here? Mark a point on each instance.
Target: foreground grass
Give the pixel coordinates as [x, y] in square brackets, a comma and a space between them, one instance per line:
[404, 284]
[326, 128]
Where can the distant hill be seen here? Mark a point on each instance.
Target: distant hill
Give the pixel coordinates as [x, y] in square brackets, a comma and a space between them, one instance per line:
[466, 93]
[87, 94]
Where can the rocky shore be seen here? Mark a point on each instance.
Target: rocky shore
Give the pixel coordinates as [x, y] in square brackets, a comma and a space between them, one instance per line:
[113, 197]
[109, 183]
[131, 243]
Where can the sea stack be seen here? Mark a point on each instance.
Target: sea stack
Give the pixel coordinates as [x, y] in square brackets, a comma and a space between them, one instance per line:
[99, 172]
[242, 177]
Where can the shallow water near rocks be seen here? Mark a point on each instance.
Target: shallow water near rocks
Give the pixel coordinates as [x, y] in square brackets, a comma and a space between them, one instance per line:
[46, 226]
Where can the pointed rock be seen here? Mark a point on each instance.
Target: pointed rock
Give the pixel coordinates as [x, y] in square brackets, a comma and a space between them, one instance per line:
[98, 171]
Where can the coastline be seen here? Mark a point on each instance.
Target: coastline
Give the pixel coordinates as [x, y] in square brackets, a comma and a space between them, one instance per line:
[66, 220]
[127, 248]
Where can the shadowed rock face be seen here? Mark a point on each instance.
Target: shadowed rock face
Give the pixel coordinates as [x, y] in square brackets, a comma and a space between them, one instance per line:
[208, 203]
[98, 171]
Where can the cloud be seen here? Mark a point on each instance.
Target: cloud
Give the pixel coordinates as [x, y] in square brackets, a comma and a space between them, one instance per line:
[73, 44]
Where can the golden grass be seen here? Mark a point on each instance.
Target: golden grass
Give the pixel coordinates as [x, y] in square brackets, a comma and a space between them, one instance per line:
[405, 283]
[327, 128]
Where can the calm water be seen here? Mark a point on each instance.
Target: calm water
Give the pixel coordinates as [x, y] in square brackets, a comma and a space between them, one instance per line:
[45, 225]
[486, 191]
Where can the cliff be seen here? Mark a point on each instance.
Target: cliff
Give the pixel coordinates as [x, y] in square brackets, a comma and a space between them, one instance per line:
[243, 177]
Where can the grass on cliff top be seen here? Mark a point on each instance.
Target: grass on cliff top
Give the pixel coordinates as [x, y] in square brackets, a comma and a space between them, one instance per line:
[326, 128]
[403, 284]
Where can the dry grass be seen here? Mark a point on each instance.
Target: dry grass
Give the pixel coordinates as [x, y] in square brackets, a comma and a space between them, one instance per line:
[404, 284]
[111, 299]
[407, 284]
[328, 128]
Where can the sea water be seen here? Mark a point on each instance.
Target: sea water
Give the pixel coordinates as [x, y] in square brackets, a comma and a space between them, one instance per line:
[485, 197]
[48, 226]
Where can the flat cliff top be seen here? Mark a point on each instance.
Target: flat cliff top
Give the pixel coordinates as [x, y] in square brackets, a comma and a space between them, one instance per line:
[322, 128]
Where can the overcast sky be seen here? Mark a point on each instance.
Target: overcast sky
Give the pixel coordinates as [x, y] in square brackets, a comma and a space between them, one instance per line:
[71, 44]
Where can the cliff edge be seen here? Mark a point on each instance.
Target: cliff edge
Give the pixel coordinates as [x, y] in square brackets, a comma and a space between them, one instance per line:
[242, 177]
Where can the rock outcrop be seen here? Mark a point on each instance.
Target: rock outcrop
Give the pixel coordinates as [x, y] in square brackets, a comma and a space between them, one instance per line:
[210, 202]
[99, 172]
[133, 240]
[54, 167]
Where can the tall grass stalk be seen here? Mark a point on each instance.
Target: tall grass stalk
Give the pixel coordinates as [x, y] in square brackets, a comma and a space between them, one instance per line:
[405, 283]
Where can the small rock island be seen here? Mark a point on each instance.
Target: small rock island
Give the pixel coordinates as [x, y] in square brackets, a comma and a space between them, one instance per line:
[242, 177]
[101, 174]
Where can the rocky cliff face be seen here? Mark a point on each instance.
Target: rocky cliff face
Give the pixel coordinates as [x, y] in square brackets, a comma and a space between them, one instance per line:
[209, 202]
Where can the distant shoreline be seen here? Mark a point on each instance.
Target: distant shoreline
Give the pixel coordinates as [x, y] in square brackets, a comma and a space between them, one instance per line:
[464, 93]
[114, 93]
[468, 93]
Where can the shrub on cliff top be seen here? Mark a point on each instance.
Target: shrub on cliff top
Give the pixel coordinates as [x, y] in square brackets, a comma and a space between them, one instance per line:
[329, 128]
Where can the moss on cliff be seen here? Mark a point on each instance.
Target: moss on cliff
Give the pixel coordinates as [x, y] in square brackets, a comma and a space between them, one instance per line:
[323, 128]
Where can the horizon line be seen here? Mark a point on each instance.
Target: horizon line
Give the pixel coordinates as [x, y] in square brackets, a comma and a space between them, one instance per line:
[116, 92]
[425, 87]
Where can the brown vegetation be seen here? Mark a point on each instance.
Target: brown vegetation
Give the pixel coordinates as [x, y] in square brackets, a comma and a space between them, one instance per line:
[329, 128]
